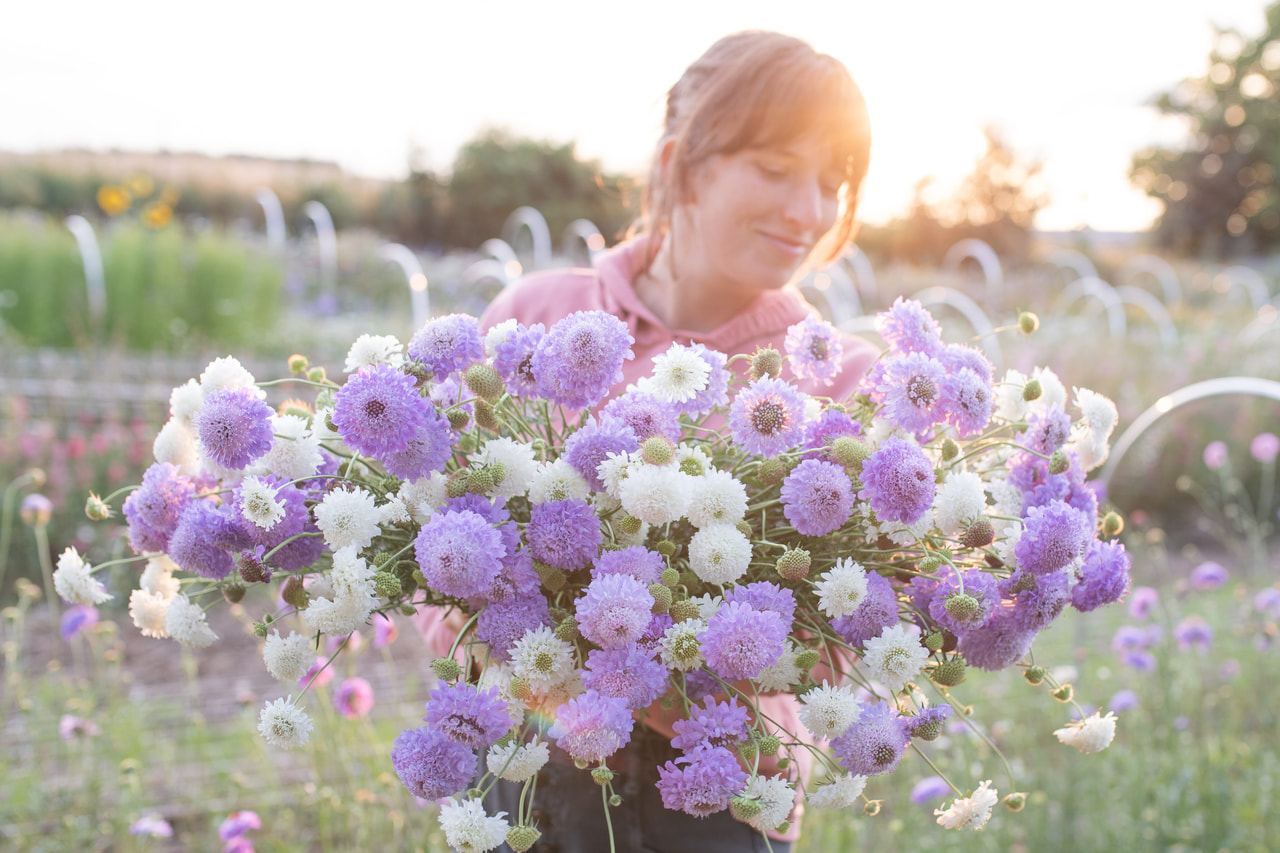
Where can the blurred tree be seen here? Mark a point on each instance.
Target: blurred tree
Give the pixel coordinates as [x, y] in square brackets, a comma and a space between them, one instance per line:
[1219, 190]
[497, 172]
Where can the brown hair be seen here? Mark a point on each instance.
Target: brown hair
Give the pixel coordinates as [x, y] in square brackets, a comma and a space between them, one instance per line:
[757, 89]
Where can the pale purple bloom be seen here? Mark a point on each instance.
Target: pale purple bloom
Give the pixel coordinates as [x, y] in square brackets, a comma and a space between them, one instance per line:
[1047, 430]
[1054, 535]
[646, 414]
[77, 618]
[592, 444]
[1038, 599]
[878, 610]
[637, 561]
[239, 844]
[238, 823]
[466, 714]
[978, 584]
[379, 411]
[427, 451]
[35, 509]
[817, 497]
[739, 642]
[702, 782]
[565, 534]
[320, 671]
[765, 595]
[1215, 455]
[1208, 575]
[591, 727]
[767, 417]
[1104, 576]
[1122, 701]
[502, 623]
[353, 698]
[722, 724]
[911, 388]
[928, 789]
[967, 400]
[907, 327]
[614, 611]
[449, 395]
[1264, 447]
[154, 508]
[431, 765]
[827, 427]
[875, 743]
[71, 727]
[513, 359]
[1143, 602]
[898, 479]
[581, 357]
[447, 344]
[385, 631]
[930, 719]
[1131, 637]
[293, 522]
[632, 674]
[1140, 659]
[1267, 601]
[234, 427]
[459, 553]
[958, 357]
[204, 535]
[152, 825]
[1000, 643]
[1193, 633]
[814, 350]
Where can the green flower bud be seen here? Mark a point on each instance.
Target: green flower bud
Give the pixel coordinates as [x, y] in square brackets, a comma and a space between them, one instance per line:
[670, 577]
[850, 453]
[666, 547]
[1065, 693]
[293, 593]
[522, 838]
[601, 776]
[683, 609]
[744, 808]
[765, 362]
[1032, 390]
[298, 364]
[929, 564]
[1035, 674]
[949, 673]
[1112, 524]
[520, 689]
[1015, 802]
[260, 629]
[962, 606]
[386, 585]
[96, 508]
[748, 749]
[933, 641]
[252, 570]
[771, 471]
[418, 371]
[692, 466]
[456, 485]
[744, 527]
[662, 597]
[794, 564]
[1028, 322]
[979, 534]
[657, 450]
[446, 669]
[615, 801]
[1058, 462]
[950, 450]
[770, 744]
[483, 381]
[931, 730]
[458, 418]
[872, 808]
[316, 374]
[480, 481]
[485, 415]
[807, 660]
[567, 630]
[628, 523]
[552, 578]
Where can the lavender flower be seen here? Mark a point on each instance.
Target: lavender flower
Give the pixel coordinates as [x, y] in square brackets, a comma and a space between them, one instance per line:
[877, 611]
[927, 724]
[739, 641]
[714, 724]
[907, 327]
[426, 452]
[581, 358]
[1000, 643]
[631, 674]
[979, 586]
[814, 350]
[1143, 602]
[1267, 602]
[591, 727]
[646, 414]
[708, 779]
[203, 538]
[911, 388]
[1208, 575]
[379, 411]
[151, 825]
[1054, 535]
[1265, 447]
[1104, 576]
[874, 743]
[564, 534]
[237, 824]
[817, 497]
[1216, 455]
[765, 596]
[503, 623]
[929, 788]
[1193, 633]
[154, 508]
[459, 553]
[466, 714]
[967, 401]
[1123, 701]
[1037, 599]
[431, 765]
[593, 443]
[614, 611]
[354, 697]
[898, 481]
[77, 618]
[1047, 430]
[637, 561]
[448, 344]
[767, 417]
[827, 427]
[513, 359]
[234, 427]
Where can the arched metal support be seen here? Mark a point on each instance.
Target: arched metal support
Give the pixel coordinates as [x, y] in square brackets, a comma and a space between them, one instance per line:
[95, 279]
[327, 240]
[582, 232]
[486, 269]
[1159, 268]
[987, 260]
[540, 234]
[1249, 385]
[273, 215]
[1154, 309]
[973, 313]
[832, 287]
[408, 262]
[1104, 293]
[864, 277]
[1263, 323]
[1249, 279]
[501, 251]
[1070, 259]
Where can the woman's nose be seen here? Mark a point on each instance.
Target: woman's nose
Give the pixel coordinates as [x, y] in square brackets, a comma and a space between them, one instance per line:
[804, 204]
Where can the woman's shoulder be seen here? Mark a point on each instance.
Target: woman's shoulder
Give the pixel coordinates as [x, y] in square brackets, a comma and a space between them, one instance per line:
[545, 297]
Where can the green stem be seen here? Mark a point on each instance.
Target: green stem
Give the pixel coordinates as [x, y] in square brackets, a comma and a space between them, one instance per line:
[46, 568]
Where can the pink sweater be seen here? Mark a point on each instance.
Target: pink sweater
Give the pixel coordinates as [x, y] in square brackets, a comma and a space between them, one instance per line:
[547, 297]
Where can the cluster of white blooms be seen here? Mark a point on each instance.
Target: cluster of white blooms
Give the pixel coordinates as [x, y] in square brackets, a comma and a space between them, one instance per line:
[149, 604]
[260, 503]
[658, 494]
[841, 793]
[679, 645]
[348, 517]
[719, 554]
[74, 582]
[186, 623]
[288, 658]
[284, 725]
[783, 674]
[351, 600]
[520, 466]
[542, 659]
[1090, 436]
[841, 588]
[557, 481]
[828, 711]
[468, 829]
[896, 656]
[369, 350]
[678, 374]
[959, 501]
[516, 761]
[295, 450]
[775, 796]
[718, 498]
[970, 812]
[1092, 734]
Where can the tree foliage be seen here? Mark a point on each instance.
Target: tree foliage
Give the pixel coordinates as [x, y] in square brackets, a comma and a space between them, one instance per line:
[1219, 190]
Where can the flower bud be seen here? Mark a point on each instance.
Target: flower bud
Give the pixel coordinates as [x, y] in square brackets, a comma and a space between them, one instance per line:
[298, 364]
[765, 362]
[933, 641]
[850, 453]
[260, 629]
[522, 838]
[499, 472]
[483, 381]
[386, 585]
[1031, 391]
[418, 371]
[1065, 693]
[316, 374]
[485, 416]
[252, 570]
[456, 485]
[1028, 322]
[744, 527]
[794, 564]
[950, 449]
[770, 744]
[657, 450]
[661, 597]
[479, 481]
[458, 418]
[949, 673]
[446, 669]
[744, 808]
[783, 827]
[929, 731]
[1113, 524]
[520, 689]
[962, 606]
[1015, 802]
[96, 508]
[294, 593]
[772, 471]
[929, 565]
[601, 776]
[979, 534]
[552, 578]
[628, 523]
[615, 801]
[36, 510]
[670, 577]
[1059, 462]
[683, 609]
[666, 547]
[567, 630]
[692, 465]
[807, 660]
[748, 749]
[37, 477]
[783, 763]
[407, 609]
[233, 589]
[872, 808]
[1035, 674]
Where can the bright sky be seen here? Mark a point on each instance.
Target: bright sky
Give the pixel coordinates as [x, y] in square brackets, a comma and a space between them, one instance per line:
[362, 82]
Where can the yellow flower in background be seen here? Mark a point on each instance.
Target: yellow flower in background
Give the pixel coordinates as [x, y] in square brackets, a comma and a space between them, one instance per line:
[140, 186]
[113, 200]
[157, 215]
[169, 196]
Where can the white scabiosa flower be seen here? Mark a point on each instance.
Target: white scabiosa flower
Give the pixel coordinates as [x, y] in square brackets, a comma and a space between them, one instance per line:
[1052, 391]
[542, 659]
[369, 350]
[498, 674]
[147, 610]
[958, 501]
[185, 402]
[1008, 505]
[284, 725]
[656, 494]
[679, 374]
[557, 481]
[613, 471]
[842, 588]
[424, 496]
[176, 444]
[74, 582]
[185, 622]
[775, 797]
[679, 646]
[228, 373]
[840, 793]
[905, 535]
[295, 450]
[499, 334]
[352, 600]
[517, 459]
[970, 812]
[708, 605]
[517, 762]
[1096, 410]
[719, 554]
[692, 459]
[828, 711]
[1092, 734]
[718, 498]
[469, 829]
[288, 658]
[347, 518]
[895, 657]
[393, 511]
[158, 576]
[259, 503]
[783, 674]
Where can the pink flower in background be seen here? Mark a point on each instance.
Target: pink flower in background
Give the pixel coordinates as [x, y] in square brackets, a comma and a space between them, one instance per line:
[1208, 575]
[237, 824]
[353, 643]
[1215, 455]
[325, 676]
[77, 618]
[384, 631]
[353, 698]
[1264, 447]
[151, 825]
[1142, 601]
[71, 727]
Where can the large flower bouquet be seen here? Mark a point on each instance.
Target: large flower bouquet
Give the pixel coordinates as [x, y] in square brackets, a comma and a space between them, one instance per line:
[698, 546]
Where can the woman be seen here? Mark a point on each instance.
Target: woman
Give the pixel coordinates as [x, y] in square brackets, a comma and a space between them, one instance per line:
[756, 178]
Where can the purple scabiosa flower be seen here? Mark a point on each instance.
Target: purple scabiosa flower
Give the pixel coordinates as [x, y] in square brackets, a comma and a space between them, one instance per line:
[907, 327]
[957, 357]
[77, 618]
[517, 577]
[1193, 633]
[1265, 447]
[998, 644]
[1216, 455]
[911, 388]
[658, 625]
[827, 427]
[353, 698]
[426, 452]
[898, 480]
[299, 553]
[466, 714]
[234, 427]
[379, 411]
[513, 359]
[637, 561]
[717, 391]
[967, 401]
[431, 765]
[591, 727]
[1130, 637]
[237, 824]
[320, 671]
[71, 728]
[708, 779]
[874, 743]
[716, 724]
[581, 357]
[1140, 659]
[154, 508]
[700, 684]
[289, 521]
[977, 584]
[928, 720]
[631, 674]
[614, 611]
[814, 350]
[564, 534]
[593, 443]
[203, 538]
[1037, 599]
[878, 610]
[501, 624]
[1104, 576]
[1122, 701]
[1047, 430]
[764, 595]
[928, 789]
[740, 641]
[767, 417]
[447, 344]
[1266, 602]
[1208, 575]
[646, 414]
[817, 497]
[459, 553]
[492, 510]
[239, 844]
[1143, 601]
[151, 825]
[1054, 535]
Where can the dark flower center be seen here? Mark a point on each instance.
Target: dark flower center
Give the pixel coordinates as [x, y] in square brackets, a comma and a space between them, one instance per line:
[921, 391]
[375, 409]
[818, 349]
[768, 417]
[884, 754]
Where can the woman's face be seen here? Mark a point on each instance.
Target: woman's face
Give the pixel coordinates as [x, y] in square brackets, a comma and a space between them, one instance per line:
[755, 215]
